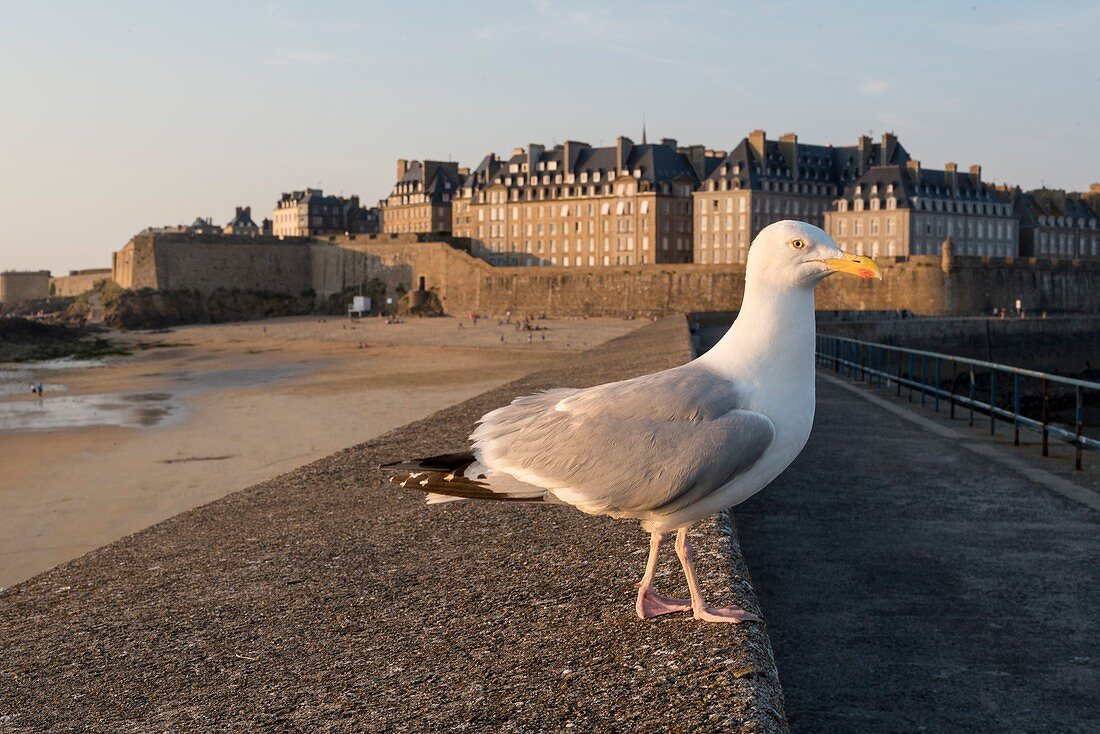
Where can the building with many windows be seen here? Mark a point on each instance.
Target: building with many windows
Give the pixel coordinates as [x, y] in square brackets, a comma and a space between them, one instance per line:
[1054, 223]
[421, 198]
[310, 213]
[905, 209]
[575, 205]
[763, 181]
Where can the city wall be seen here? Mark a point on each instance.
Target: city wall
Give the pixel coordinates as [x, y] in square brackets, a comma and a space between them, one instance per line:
[925, 285]
[78, 282]
[1062, 344]
[16, 287]
[922, 285]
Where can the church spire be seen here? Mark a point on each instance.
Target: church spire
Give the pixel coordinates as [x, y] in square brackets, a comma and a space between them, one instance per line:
[643, 129]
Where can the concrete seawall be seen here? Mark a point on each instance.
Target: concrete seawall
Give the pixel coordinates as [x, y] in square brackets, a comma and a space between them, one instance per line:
[1066, 345]
[326, 599]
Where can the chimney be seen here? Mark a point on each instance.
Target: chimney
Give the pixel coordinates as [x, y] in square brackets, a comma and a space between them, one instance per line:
[913, 167]
[571, 153]
[976, 174]
[950, 174]
[534, 152]
[402, 167]
[788, 145]
[238, 215]
[888, 148]
[464, 171]
[670, 142]
[866, 150]
[623, 145]
[696, 155]
[756, 142]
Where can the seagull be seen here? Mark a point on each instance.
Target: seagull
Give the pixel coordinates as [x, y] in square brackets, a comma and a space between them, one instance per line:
[674, 447]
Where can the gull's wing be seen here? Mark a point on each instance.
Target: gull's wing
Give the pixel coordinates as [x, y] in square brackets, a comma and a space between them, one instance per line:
[656, 443]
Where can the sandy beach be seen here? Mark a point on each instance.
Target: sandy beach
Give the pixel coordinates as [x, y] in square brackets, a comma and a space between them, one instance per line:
[199, 412]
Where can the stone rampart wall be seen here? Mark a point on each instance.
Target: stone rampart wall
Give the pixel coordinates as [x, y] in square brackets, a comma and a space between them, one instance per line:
[74, 285]
[920, 285]
[16, 287]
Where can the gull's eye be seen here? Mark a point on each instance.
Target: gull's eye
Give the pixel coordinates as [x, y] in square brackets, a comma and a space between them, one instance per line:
[798, 244]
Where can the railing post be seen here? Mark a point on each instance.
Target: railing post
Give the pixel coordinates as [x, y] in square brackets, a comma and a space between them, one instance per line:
[923, 382]
[910, 376]
[992, 402]
[954, 382]
[938, 385]
[971, 396]
[1080, 425]
[1016, 408]
[836, 356]
[1046, 417]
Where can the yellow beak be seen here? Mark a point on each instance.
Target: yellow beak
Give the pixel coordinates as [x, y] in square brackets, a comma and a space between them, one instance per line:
[862, 267]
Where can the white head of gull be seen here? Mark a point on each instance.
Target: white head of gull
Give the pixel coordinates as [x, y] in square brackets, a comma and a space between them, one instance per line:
[673, 447]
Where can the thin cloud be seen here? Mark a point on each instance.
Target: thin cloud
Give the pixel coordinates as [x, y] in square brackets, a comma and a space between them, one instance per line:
[301, 58]
[876, 86]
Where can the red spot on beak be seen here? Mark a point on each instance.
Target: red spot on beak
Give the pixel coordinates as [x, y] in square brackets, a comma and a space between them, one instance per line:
[865, 273]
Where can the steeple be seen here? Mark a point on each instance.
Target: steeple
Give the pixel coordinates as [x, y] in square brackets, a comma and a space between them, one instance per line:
[643, 129]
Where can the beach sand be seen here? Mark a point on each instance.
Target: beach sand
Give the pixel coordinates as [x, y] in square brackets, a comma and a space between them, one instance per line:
[208, 410]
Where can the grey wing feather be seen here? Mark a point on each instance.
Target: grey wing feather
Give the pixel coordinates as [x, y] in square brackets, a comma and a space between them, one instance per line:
[652, 444]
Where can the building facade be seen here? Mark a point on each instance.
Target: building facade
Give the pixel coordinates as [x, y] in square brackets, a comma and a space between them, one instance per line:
[242, 223]
[763, 181]
[421, 198]
[1053, 223]
[904, 209]
[310, 213]
[575, 205]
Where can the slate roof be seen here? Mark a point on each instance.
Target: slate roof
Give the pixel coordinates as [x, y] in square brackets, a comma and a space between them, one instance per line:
[656, 162]
[814, 164]
[926, 184]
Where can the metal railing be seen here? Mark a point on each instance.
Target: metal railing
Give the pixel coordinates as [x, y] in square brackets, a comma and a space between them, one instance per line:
[925, 373]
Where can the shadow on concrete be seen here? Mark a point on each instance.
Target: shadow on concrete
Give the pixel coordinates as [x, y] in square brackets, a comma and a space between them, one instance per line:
[910, 586]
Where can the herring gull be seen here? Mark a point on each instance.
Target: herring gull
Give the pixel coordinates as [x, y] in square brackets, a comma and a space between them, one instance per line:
[673, 447]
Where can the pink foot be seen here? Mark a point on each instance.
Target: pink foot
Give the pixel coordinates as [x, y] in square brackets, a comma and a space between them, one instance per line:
[651, 604]
[733, 614]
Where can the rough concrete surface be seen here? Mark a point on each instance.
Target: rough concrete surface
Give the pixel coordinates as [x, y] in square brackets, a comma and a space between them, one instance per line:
[912, 586]
[327, 600]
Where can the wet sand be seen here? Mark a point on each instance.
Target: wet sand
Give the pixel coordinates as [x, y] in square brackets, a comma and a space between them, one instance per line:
[213, 409]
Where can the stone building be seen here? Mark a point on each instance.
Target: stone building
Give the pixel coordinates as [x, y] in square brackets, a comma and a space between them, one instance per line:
[904, 209]
[360, 219]
[763, 181]
[421, 198]
[462, 217]
[575, 205]
[310, 213]
[1053, 223]
[17, 286]
[242, 223]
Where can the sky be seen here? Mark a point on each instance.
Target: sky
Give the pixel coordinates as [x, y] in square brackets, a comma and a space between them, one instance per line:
[115, 116]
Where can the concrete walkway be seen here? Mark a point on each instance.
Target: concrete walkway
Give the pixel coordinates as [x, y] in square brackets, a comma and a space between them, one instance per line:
[914, 581]
[328, 600]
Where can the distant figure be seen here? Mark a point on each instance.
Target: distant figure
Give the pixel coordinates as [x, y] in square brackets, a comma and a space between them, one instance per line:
[37, 389]
[502, 338]
[1019, 307]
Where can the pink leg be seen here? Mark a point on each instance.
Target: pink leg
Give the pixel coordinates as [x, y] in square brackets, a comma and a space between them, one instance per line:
[650, 603]
[698, 604]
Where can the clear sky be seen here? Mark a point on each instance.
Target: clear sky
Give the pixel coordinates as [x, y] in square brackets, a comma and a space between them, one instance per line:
[119, 115]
